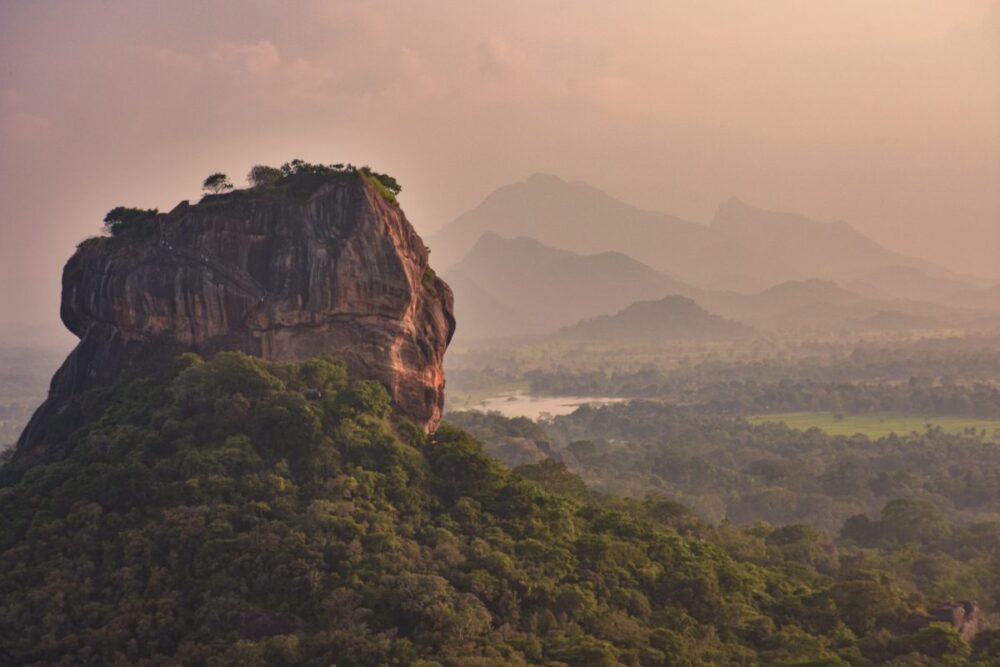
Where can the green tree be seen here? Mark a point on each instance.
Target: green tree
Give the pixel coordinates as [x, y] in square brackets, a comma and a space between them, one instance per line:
[217, 183]
[865, 604]
[913, 520]
[121, 218]
[263, 176]
[937, 640]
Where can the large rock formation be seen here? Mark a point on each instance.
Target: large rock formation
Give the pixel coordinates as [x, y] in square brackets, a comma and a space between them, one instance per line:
[321, 264]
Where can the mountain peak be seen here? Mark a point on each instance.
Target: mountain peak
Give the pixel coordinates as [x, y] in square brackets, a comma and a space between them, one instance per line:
[671, 317]
[731, 203]
[745, 247]
[488, 239]
[491, 243]
[543, 178]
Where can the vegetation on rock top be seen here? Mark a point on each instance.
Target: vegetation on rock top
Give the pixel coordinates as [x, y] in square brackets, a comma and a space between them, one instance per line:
[297, 177]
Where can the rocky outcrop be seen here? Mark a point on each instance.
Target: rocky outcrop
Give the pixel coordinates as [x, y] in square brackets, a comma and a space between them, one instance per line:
[963, 615]
[319, 265]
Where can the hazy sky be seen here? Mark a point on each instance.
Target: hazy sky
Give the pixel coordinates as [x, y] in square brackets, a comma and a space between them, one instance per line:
[885, 113]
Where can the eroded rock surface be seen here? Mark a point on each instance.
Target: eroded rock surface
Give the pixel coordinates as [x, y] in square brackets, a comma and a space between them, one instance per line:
[324, 265]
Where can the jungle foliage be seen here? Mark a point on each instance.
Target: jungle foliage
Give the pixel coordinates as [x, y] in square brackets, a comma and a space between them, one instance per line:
[212, 514]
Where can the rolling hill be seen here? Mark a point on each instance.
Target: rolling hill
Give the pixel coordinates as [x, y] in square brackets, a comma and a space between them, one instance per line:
[669, 318]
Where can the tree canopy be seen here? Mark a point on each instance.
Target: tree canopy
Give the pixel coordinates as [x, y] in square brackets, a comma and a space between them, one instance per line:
[217, 183]
[264, 176]
[122, 218]
[222, 512]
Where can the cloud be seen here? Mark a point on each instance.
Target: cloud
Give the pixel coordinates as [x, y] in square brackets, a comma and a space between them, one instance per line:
[251, 59]
[498, 57]
[261, 69]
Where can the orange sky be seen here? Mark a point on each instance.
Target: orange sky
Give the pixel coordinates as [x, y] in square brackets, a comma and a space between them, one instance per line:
[885, 113]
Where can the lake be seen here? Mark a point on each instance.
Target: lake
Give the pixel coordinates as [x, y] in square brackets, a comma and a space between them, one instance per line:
[523, 404]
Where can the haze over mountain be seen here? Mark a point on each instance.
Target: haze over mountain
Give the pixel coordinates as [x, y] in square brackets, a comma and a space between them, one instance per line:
[744, 248]
[984, 299]
[885, 114]
[887, 320]
[815, 303]
[669, 318]
[520, 286]
[574, 216]
[807, 248]
[517, 287]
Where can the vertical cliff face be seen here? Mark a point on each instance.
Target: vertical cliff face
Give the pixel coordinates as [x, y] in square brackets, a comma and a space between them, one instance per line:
[319, 265]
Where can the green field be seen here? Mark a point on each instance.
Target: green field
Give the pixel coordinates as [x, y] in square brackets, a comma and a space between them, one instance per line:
[876, 426]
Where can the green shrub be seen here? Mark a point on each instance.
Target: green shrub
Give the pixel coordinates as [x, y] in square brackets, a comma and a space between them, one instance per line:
[122, 219]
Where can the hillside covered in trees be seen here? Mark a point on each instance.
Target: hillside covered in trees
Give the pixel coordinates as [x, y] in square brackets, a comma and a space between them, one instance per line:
[239, 512]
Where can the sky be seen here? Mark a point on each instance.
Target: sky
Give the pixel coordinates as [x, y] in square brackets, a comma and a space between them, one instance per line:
[883, 113]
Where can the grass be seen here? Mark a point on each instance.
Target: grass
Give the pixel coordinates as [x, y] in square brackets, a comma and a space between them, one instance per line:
[380, 187]
[877, 426]
[429, 276]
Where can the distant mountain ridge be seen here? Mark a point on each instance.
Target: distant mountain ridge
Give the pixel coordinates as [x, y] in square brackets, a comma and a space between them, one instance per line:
[572, 216]
[815, 303]
[670, 318]
[830, 250]
[745, 248]
[522, 287]
[507, 287]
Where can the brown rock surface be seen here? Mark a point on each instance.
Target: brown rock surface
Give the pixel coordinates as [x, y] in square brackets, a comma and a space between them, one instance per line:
[963, 615]
[321, 265]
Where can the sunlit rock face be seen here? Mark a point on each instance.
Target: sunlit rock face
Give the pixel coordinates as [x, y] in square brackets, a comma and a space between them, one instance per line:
[325, 265]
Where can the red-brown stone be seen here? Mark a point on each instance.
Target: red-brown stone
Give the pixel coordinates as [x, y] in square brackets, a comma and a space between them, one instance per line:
[328, 266]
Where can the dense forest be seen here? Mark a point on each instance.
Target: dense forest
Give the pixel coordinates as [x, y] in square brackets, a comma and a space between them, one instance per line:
[664, 370]
[917, 396]
[228, 513]
[922, 509]
[731, 469]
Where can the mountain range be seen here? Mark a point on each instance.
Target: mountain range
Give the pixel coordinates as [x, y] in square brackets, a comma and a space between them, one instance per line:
[745, 248]
[512, 287]
[543, 254]
[520, 286]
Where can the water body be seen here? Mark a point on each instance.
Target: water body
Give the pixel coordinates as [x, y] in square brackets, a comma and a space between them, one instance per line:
[523, 404]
